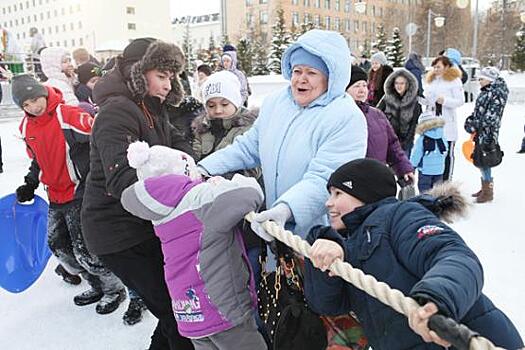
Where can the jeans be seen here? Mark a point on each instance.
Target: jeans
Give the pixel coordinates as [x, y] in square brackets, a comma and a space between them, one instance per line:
[426, 182]
[486, 174]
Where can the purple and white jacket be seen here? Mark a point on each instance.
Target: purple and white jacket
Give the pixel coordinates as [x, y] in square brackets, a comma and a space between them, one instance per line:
[205, 263]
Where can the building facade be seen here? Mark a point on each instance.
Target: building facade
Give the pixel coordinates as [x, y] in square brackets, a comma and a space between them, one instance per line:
[101, 26]
[359, 28]
[199, 30]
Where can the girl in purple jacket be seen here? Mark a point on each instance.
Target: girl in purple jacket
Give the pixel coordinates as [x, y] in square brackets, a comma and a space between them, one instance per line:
[205, 263]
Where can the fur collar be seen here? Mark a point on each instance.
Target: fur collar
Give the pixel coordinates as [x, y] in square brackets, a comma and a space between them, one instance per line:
[243, 117]
[437, 122]
[449, 203]
[450, 74]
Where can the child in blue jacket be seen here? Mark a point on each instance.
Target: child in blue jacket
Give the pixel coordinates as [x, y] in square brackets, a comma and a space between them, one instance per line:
[429, 151]
[404, 244]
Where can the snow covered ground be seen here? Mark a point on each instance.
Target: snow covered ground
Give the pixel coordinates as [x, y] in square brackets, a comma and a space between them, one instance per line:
[44, 316]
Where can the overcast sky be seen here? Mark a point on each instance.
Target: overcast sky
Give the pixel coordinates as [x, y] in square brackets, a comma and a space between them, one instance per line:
[194, 7]
[200, 7]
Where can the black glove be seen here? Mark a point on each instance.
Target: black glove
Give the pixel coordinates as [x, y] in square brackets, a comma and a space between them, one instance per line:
[25, 193]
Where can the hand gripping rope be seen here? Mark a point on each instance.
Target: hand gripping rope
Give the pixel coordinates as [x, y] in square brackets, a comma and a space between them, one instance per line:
[457, 334]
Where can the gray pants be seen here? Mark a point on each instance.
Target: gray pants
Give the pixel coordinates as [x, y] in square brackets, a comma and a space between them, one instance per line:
[242, 337]
[65, 240]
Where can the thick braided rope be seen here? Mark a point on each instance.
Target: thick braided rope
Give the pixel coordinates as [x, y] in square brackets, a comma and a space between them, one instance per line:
[367, 283]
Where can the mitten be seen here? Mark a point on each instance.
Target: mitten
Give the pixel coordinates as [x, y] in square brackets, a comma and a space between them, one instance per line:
[25, 193]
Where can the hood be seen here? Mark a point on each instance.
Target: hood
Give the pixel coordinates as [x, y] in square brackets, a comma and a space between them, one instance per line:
[170, 189]
[110, 85]
[454, 56]
[54, 98]
[332, 48]
[499, 88]
[432, 128]
[414, 61]
[450, 74]
[233, 56]
[51, 61]
[445, 200]
[391, 96]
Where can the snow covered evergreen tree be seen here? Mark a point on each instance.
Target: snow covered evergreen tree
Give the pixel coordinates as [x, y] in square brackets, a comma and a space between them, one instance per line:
[260, 57]
[280, 40]
[518, 56]
[245, 56]
[394, 50]
[187, 49]
[381, 40]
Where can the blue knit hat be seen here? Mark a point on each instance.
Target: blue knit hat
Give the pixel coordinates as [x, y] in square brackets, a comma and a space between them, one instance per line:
[303, 57]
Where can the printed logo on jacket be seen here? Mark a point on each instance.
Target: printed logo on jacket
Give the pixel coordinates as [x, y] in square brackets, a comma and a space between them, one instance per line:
[188, 310]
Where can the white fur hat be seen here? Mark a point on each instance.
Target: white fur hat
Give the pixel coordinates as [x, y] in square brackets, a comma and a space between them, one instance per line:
[160, 160]
[223, 84]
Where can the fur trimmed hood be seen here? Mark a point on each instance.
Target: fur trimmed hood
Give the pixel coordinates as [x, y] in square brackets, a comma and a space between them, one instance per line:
[391, 95]
[162, 56]
[450, 74]
[446, 201]
[243, 117]
[433, 123]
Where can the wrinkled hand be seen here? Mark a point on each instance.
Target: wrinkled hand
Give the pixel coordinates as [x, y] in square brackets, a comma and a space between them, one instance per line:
[25, 193]
[324, 252]
[418, 321]
[279, 214]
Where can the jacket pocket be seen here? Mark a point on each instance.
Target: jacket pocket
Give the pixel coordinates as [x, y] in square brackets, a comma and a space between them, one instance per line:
[369, 243]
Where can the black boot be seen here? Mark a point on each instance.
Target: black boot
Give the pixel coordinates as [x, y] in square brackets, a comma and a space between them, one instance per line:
[88, 297]
[66, 276]
[110, 302]
[134, 312]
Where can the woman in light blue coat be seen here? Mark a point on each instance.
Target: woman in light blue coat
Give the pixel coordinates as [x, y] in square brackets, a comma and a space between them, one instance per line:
[303, 133]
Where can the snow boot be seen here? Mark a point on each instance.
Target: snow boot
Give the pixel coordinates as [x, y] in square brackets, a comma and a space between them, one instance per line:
[66, 276]
[88, 297]
[134, 312]
[487, 192]
[522, 149]
[477, 194]
[110, 302]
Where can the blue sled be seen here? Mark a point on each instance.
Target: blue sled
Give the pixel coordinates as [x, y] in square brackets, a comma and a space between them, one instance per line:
[24, 252]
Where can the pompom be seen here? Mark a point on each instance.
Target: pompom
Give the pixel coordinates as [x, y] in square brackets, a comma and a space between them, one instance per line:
[138, 154]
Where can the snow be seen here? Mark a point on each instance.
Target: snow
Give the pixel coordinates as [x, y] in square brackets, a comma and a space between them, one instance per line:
[44, 316]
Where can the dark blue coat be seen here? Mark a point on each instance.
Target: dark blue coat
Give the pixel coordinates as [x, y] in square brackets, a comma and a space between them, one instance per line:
[406, 246]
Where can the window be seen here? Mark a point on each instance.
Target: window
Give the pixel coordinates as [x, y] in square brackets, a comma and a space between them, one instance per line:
[81, 41]
[327, 4]
[56, 30]
[23, 35]
[364, 25]
[132, 26]
[78, 7]
[63, 27]
[249, 19]
[249, 2]
[307, 18]
[43, 31]
[327, 22]
[65, 43]
[263, 2]
[338, 5]
[28, 19]
[15, 11]
[71, 11]
[79, 24]
[348, 25]
[356, 26]
[63, 12]
[16, 22]
[295, 18]
[48, 14]
[295, 2]
[35, 18]
[380, 12]
[348, 5]
[337, 24]
[73, 42]
[55, 13]
[317, 3]
[130, 10]
[58, 43]
[71, 26]
[263, 17]
[306, 3]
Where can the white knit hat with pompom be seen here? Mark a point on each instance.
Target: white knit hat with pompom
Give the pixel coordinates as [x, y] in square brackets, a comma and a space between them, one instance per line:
[160, 160]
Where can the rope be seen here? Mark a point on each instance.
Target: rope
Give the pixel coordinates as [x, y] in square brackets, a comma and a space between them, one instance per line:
[367, 283]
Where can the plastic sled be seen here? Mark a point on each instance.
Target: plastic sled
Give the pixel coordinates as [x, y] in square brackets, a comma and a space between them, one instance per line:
[468, 148]
[24, 252]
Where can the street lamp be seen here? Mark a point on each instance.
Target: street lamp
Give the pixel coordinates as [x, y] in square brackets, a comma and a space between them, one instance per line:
[439, 21]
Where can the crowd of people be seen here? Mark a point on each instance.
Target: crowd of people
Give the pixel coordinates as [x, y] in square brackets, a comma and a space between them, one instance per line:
[149, 176]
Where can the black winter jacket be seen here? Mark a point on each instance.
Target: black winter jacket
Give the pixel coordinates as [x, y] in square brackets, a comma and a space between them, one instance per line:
[107, 226]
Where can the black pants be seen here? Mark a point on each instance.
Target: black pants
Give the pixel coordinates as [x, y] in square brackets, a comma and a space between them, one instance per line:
[141, 268]
[449, 161]
[1, 163]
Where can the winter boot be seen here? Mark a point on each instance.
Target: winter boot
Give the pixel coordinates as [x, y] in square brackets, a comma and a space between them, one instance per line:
[487, 192]
[134, 312]
[522, 149]
[477, 194]
[88, 297]
[110, 302]
[66, 276]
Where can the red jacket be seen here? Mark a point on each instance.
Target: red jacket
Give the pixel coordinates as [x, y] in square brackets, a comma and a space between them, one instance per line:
[58, 143]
